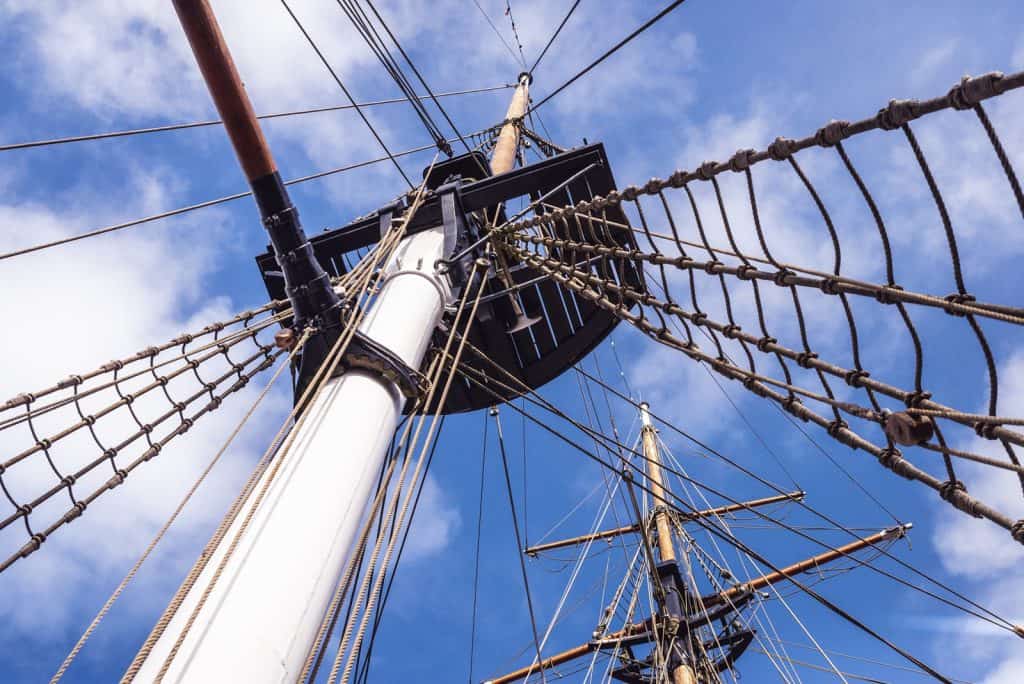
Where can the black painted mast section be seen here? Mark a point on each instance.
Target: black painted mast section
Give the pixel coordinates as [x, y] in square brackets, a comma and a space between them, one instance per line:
[307, 285]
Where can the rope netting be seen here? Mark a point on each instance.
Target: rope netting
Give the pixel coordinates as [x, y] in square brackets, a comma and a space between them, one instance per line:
[68, 444]
[697, 291]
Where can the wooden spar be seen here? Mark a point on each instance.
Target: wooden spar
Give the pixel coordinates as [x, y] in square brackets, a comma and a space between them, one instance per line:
[804, 565]
[707, 513]
[504, 155]
[711, 601]
[225, 85]
[683, 673]
[571, 654]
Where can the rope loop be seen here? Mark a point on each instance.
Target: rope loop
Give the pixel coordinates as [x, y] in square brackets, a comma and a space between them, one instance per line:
[896, 114]
[831, 133]
[699, 318]
[959, 298]
[744, 271]
[855, 378]
[44, 444]
[803, 359]
[972, 90]
[781, 275]
[835, 429]
[892, 459]
[706, 171]
[186, 425]
[986, 430]
[711, 267]
[884, 294]
[955, 493]
[731, 331]
[790, 403]
[741, 160]
[782, 149]
[751, 384]
[762, 344]
[678, 178]
[1017, 531]
[830, 285]
[914, 399]
[653, 186]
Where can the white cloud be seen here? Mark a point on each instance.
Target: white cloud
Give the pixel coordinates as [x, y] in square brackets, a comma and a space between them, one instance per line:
[436, 521]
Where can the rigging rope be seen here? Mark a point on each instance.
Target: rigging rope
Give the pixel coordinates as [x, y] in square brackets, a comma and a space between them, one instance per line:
[615, 48]
[64, 140]
[209, 203]
[175, 513]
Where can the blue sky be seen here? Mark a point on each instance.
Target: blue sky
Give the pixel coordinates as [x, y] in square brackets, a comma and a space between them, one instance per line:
[709, 79]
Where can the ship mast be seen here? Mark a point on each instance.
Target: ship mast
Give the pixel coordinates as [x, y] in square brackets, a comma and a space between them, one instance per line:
[678, 657]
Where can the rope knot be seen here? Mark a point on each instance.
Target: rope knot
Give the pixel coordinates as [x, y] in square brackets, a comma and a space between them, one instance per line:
[914, 399]
[884, 294]
[711, 267]
[652, 186]
[790, 403]
[44, 444]
[630, 193]
[112, 366]
[741, 160]
[835, 427]
[24, 510]
[186, 425]
[831, 133]
[1017, 531]
[706, 171]
[985, 430]
[683, 262]
[678, 178]
[762, 344]
[744, 271]
[751, 384]
[896, 113]
[954, 493]
[972, 90]
[68, 480]
[830, 285]
[89, 420]
[781, 275]
[961, 298]
[782, 148]
[803, 359]
[855, 378]
[699, 318]
[731, 331]
[893, 460]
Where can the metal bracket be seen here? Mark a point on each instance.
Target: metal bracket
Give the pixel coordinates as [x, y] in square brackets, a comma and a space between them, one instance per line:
[364, 353]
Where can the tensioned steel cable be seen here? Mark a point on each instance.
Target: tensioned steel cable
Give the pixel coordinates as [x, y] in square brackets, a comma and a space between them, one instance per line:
[345, 90]
[368, 32]
[207, 203]
[494, 28]
[215, 122]
[615, 48]
[553, 36]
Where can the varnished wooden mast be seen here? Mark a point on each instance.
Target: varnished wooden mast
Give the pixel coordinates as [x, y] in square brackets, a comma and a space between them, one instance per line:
[683, 673]
[504, 156]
